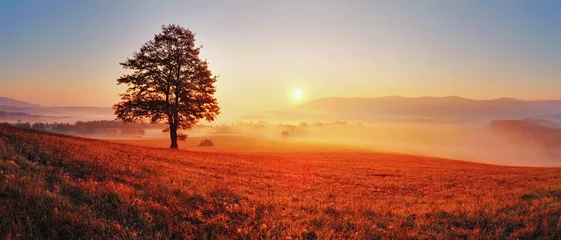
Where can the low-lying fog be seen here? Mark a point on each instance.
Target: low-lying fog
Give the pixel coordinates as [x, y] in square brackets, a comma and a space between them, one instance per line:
[473, 141]
[520, 143]
[465, 141]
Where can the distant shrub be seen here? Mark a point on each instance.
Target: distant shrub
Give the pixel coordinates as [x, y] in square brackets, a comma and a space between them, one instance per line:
[285, 134]
[318, 124]
[22, 125]
[224, 129]
[206, 143]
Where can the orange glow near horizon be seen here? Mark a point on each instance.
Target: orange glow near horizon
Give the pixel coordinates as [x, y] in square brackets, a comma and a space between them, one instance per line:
[261, 56]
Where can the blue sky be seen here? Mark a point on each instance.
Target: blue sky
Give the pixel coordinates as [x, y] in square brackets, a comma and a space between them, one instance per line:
[67, 52]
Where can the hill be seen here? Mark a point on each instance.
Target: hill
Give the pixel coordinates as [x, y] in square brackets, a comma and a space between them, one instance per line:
[54, 186]
[67, 114]
[25, 117]
[4, 101]
[396, 107]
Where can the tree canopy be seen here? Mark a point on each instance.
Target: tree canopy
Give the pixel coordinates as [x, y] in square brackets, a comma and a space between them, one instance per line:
[169, 83]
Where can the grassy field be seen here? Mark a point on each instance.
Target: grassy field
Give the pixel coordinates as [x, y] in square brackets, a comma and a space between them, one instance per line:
[240, 144]
[54, 186]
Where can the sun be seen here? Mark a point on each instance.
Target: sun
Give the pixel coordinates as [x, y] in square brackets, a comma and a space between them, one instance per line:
[297, 94]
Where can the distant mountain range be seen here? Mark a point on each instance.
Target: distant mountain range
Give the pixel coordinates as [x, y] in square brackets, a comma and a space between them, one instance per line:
[9, 102]
[13, 117]
[9, 105]
[451, 108]
[402, 108]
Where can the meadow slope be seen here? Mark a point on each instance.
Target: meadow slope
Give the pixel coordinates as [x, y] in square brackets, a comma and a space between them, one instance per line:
[54, 186]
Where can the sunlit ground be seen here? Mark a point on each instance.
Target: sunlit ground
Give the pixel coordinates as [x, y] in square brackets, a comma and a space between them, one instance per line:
[465, 141]
[80, 188]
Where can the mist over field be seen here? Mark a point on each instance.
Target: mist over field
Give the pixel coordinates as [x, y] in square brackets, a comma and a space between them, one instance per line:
[465, 141]
[448, 127]
[474, 141]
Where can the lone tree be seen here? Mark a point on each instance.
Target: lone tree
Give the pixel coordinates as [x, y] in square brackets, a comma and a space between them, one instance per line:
[169, 83]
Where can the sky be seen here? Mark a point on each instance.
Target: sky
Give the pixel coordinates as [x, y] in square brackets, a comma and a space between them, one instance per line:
[67, 53]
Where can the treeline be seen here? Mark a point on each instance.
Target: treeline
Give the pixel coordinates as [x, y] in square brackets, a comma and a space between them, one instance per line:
[16, 114]
[106, 128]
[89, 128]
[273, 129]
[539, 132]
[13, 116]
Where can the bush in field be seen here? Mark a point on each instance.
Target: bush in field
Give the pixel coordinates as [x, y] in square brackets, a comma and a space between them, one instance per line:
[206, 143]
[285, 134]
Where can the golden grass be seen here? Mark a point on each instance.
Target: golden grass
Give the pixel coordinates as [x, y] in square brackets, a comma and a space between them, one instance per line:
[54, 186]
[239, 144]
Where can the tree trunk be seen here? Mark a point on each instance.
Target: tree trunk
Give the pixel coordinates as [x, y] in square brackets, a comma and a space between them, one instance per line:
[173, 137]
